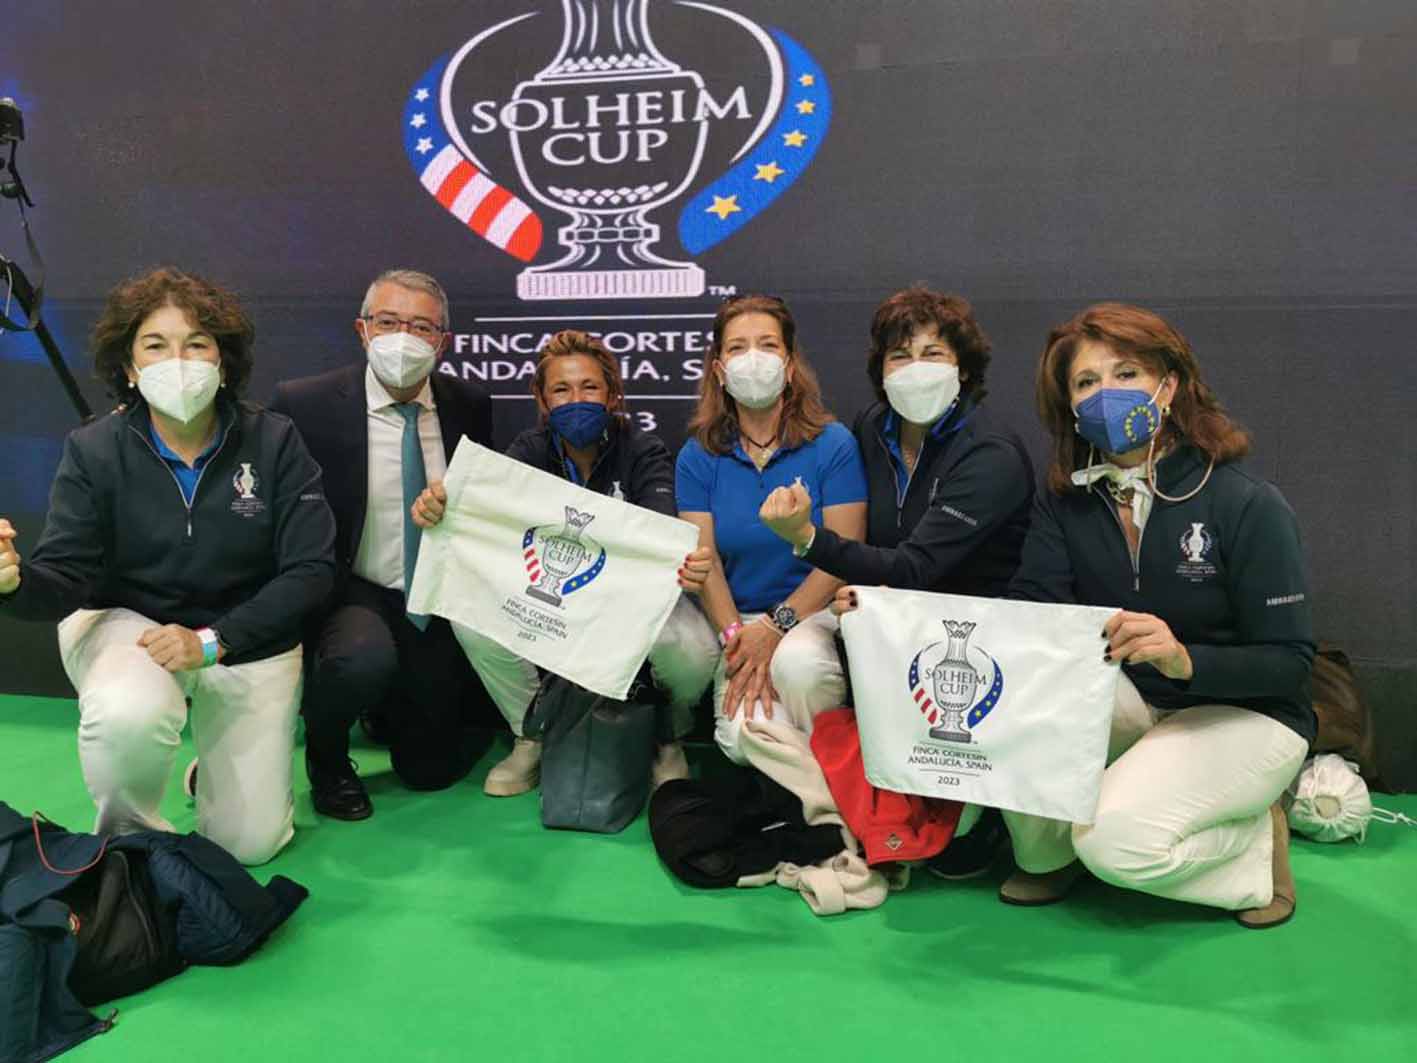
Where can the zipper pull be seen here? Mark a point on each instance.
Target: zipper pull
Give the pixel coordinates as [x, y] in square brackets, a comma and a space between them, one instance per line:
[189, 524]
[1136, 582]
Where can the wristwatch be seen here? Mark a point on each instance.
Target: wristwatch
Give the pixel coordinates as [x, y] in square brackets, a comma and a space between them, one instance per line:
[783, 617]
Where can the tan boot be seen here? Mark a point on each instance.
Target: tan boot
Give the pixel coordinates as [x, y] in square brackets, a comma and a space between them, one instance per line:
[669, 763]
[519, 772]
[1281, 908]
[1030, 891]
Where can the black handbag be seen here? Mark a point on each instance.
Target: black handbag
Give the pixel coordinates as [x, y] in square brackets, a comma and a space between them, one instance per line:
[596, 754]
[127, 942]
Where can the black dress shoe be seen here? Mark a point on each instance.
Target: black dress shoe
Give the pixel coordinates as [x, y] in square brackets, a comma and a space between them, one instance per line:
[338, 793]
[974, 854]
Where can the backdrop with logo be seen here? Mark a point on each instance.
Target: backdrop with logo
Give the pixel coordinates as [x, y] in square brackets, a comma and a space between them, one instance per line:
[621, 165]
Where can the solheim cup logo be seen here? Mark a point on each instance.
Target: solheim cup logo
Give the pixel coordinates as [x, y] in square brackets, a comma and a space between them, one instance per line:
[559, 561]
[606, 134]
[945, 683]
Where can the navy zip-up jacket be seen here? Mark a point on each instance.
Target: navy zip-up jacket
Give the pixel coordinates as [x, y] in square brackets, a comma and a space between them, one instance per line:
[1223, 569]
[959, 525]
[250, 557]
[635, 462]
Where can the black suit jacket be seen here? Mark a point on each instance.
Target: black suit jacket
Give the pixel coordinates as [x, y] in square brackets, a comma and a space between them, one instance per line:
[332, 416]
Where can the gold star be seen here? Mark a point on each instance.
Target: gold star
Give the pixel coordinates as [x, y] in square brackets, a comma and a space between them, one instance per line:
[723, 206]
[806, 107]
[768, 172]
[795, 139]
[806, 79]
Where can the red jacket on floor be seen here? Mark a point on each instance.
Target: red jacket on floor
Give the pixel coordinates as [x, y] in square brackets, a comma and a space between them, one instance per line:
[891, 826]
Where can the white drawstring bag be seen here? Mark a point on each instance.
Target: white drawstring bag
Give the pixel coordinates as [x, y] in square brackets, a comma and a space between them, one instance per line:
[576, 582]
[996, 703]
[1329, 801]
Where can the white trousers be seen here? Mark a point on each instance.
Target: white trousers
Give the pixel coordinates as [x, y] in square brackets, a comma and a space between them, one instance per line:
[806, 671]
[1184, 806]
[681, 662]
[131, 715]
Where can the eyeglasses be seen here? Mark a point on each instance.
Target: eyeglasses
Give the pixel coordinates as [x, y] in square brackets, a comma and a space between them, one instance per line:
[383, 324]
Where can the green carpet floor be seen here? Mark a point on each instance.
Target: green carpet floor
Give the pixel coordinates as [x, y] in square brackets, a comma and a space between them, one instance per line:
[451, 926]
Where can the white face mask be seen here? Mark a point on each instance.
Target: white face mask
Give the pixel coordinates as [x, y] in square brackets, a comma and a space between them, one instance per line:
[401, 359]
[921, 391]
[755, 378]
[179, 387]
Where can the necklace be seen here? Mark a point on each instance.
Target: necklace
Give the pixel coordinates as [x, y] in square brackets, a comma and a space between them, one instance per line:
[1121, 495]
[772, 439]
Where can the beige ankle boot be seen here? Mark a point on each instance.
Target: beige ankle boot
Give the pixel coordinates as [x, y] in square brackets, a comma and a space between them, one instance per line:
[1029, 890]
[1281, 908]
[518, 772]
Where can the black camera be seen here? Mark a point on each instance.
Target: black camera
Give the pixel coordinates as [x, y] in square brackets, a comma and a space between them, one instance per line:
[12, 121]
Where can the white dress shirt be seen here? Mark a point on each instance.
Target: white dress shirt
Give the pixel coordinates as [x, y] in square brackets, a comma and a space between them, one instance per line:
[379, 558]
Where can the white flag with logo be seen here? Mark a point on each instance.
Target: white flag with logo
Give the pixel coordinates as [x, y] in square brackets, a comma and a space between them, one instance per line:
[574, 581]
[998, 703]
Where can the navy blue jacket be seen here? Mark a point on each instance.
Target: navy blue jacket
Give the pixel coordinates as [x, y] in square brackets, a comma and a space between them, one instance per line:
[959, 525]
[1223, 569]
[634, 463]
[249, 556]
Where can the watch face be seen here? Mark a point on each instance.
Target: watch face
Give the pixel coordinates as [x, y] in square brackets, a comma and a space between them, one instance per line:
[784, 616]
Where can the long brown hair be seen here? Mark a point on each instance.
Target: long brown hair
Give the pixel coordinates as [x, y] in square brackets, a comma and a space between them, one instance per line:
[715, 420]
[1195, 414]
[569, 343]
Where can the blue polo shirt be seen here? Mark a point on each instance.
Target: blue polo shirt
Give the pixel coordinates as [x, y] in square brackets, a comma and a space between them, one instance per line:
[187, 475]
[760, 567]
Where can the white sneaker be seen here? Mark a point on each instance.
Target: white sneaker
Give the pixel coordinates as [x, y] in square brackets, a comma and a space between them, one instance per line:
[518, 773]
[669, 763]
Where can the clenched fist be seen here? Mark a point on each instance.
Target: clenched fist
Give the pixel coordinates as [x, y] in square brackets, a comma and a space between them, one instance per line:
[176, 648]
[9, 559]
[788, 513]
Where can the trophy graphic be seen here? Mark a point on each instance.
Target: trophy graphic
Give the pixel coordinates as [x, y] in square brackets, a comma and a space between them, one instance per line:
[955, 683]
[245, 482]
[638, 141]
[1195, 544]
[561, 555]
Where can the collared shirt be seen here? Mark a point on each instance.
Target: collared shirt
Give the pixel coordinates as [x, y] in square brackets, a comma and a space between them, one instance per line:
[379, 558]
[891, 431]
[760, 567]
[187, 475]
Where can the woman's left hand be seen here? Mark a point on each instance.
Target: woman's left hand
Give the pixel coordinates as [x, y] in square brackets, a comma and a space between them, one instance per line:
[694, 572]
[176, 648]
[749, 660]
[787, 512]
[1143, 638]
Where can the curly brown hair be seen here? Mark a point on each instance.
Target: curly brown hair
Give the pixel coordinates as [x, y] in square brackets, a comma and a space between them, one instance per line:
[1195, 414]
[214, 309]
[715, 420]
[572, 342]
[920, 307]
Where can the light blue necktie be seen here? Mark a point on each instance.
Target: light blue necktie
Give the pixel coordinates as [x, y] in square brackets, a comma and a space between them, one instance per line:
[415, 479]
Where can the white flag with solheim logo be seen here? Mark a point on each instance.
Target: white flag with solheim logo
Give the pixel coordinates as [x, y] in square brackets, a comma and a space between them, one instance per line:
[997, 703]
[576, 582]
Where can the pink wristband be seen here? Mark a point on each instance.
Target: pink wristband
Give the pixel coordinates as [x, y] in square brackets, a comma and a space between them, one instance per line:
[726, 635]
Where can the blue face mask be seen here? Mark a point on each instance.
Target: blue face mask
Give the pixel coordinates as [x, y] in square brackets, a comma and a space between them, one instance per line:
[1116, 420]
[580, 423]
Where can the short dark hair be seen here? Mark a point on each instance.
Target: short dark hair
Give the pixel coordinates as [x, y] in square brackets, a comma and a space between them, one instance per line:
[919, 307]
[570, 343]
[215, 310]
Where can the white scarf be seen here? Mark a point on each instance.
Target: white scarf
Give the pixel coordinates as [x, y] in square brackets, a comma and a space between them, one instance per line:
[1133, 479]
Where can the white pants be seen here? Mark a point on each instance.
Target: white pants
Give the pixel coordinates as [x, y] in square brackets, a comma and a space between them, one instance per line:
[806, 671]
[1184, 807]
[681, 662]
[131, 715]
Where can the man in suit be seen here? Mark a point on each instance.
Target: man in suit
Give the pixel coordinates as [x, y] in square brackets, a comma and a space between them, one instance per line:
[381, 429]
